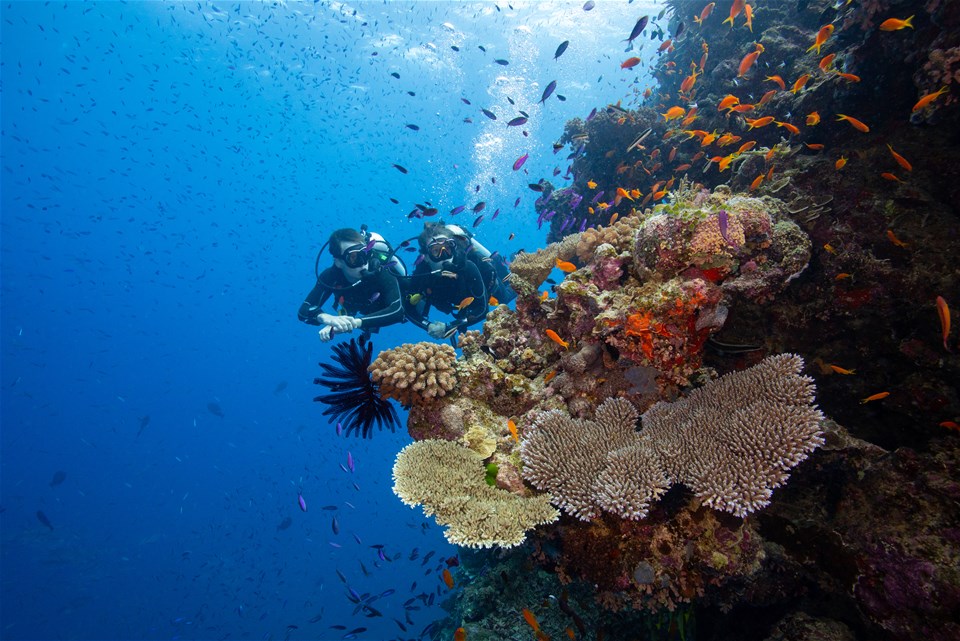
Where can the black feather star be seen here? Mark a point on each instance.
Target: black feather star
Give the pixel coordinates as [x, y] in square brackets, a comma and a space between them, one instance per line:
[354, 398]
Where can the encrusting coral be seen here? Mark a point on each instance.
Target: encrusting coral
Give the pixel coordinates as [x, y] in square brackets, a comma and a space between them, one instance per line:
[732, 442]
[415, 372]
[448, 481]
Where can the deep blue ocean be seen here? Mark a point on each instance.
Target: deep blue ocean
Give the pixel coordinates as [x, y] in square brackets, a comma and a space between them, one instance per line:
[170, 171]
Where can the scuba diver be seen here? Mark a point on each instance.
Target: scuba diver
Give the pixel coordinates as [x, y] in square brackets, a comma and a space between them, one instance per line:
[456, 275]
[363, 280]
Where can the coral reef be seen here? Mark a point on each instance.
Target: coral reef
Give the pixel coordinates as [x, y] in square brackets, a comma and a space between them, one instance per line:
[700, 245]
[732, 442]
[448, 481]
[415, 372]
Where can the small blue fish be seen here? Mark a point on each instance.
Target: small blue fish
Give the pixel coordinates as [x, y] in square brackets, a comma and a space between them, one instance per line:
[301, 502]
[335, 525]
[549, 90]
[350, 461]
[456, 210]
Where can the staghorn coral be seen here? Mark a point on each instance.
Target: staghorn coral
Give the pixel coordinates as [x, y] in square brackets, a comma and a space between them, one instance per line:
[448, 481]
[731, 442]
[415, 372]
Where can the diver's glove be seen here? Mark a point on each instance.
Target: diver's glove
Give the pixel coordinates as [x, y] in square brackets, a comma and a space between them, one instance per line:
[344, 324]
[326, 333]
[437, 330]
[326, 319]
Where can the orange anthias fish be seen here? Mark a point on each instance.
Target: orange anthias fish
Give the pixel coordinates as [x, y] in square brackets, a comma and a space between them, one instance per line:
[552, 335]
[943, 311]
[896, 241]
[875, 397]
[798, 85]
[748, 14]
[826, 62]
[759, 122]
[786, 125]
[492, 301]
[841, 163]
[460, 635]
[849, 77]
[513, 430]
[667, 44]
[748, 61]
[629, 63]
[779, 81]
[825, 32]
[756, 182]
[705, 13]
[930, 97]
[549, 376]
[566, 266]
[841, 370]
[531, 620]
[735, 11]
[448, 578]
[903, 162]
[465, 303]
[894, 24]
[728, 101]
[591, 184]
[813, 119]
[950, 425]
[765, 98]
[673, 113]
[856, 124]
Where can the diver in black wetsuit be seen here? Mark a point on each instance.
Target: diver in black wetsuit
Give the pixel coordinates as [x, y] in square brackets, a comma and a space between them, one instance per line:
[362, 281]
[454, 275]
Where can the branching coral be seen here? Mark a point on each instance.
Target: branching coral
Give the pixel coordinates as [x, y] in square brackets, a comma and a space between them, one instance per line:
[415, 372]
[732, 442]
[448, 481]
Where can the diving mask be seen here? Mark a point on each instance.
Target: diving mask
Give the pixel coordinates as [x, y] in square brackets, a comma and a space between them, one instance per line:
[441, 248]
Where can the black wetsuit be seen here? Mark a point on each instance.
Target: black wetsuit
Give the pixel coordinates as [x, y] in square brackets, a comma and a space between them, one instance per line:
[445, 293]
[375, 298]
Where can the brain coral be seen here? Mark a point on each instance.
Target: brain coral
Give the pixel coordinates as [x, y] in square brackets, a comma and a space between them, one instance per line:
[448, 481]
[732, 442]
[415, 372]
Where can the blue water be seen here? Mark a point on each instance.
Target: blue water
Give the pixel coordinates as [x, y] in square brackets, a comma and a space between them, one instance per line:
[169, 173]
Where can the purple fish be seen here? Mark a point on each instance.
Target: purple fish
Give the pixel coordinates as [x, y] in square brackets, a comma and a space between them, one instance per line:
[575, 201]
[350, 461]
[548, 91]
[597, 197]
[518, 163]
[517, 201]
[302, 502]
[339, 429]
[516, 122]
[495, 214]
[478, 220]
[489, 114]
[593, 114]
[590, 4]
[723, 221]
[456, 210]
[335, 525]
[583, 225]
[556, 171]
[549, 215]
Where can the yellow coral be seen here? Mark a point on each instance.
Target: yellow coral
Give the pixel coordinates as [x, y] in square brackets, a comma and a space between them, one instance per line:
[448, 481]
[415, 372]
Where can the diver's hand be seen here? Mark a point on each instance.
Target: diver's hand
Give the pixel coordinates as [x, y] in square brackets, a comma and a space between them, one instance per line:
[326, 333]
[437, 330]
[326, 319]
[345, 324]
